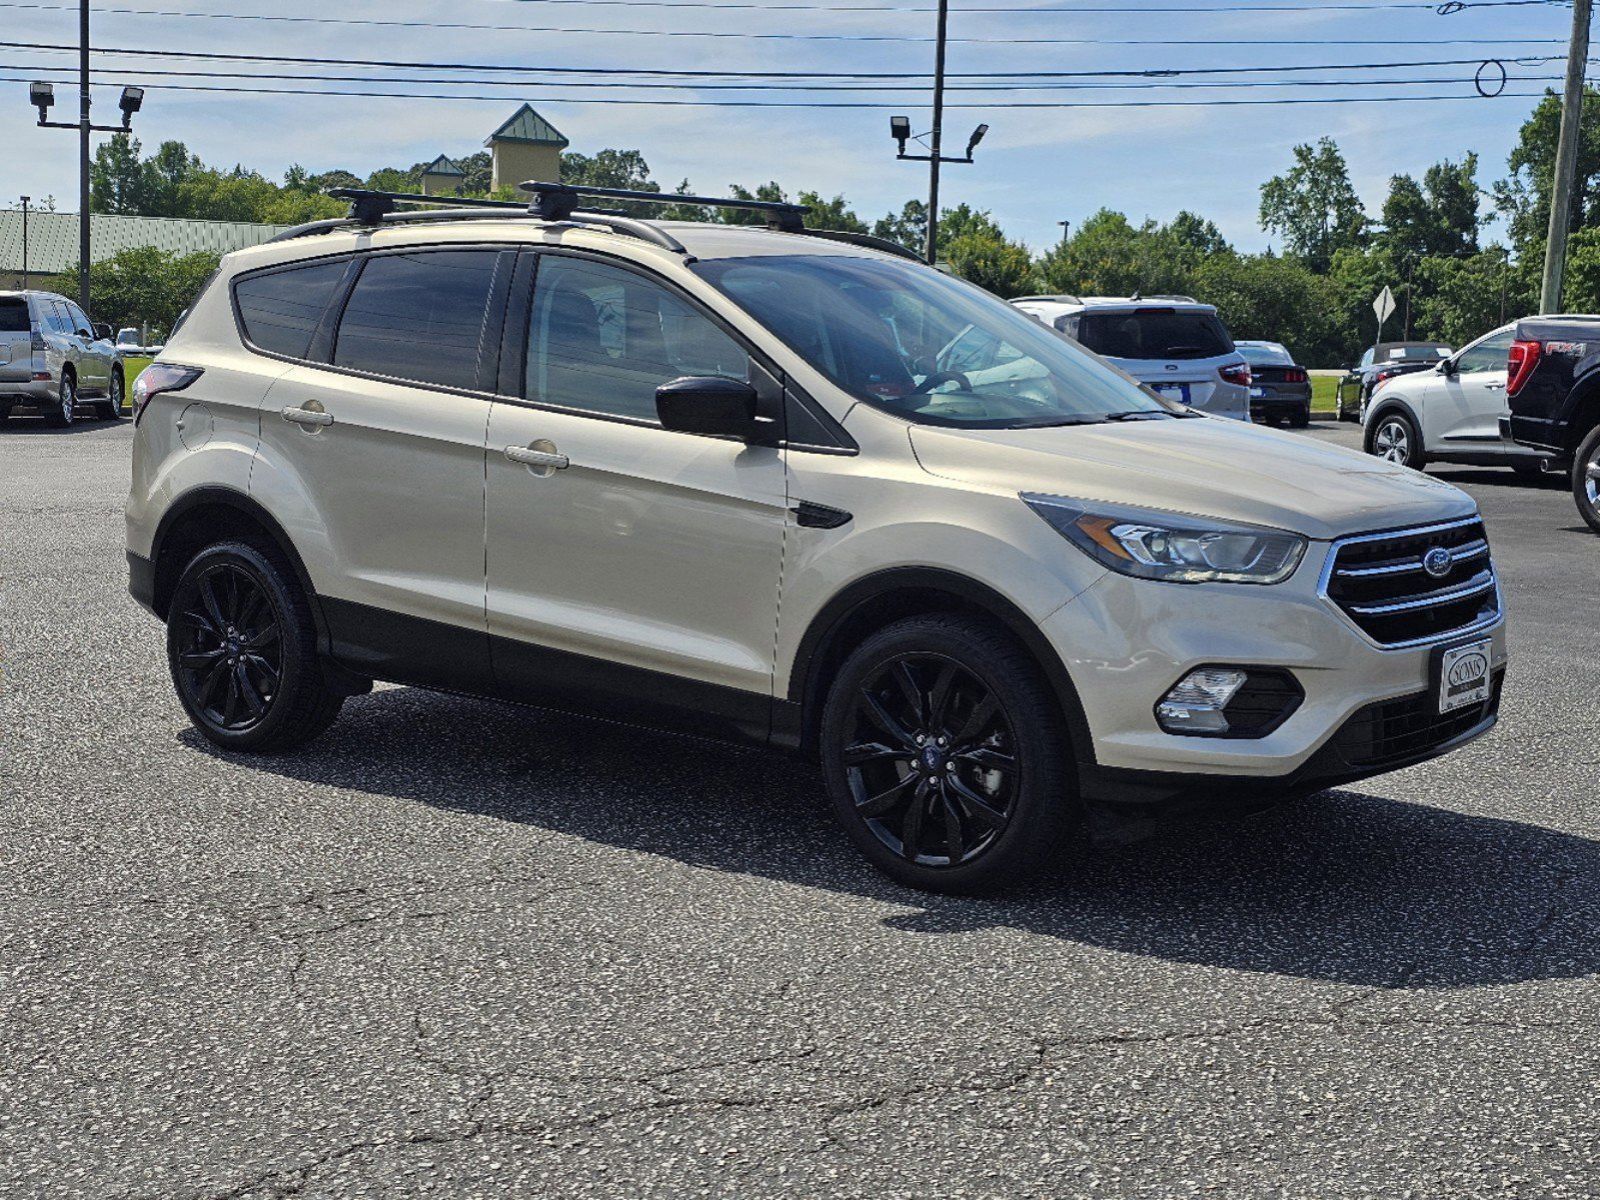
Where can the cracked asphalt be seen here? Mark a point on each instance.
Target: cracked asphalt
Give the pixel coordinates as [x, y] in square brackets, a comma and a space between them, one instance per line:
[459, 950]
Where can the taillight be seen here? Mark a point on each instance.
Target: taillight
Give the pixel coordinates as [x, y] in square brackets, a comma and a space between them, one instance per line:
[1520, 362]
[1294, 375]
[160, 377]
[1235, 373]
[38, 338]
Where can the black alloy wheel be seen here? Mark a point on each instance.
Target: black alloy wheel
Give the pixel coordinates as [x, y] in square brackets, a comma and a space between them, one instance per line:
[241, 645]
[945, 755]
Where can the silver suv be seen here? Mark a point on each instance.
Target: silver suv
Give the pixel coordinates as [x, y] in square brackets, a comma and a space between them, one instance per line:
[54, 361]
[791, 488]
[1173, 345]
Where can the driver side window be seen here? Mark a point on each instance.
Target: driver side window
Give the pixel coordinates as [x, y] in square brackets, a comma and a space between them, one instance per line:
[1488, 355]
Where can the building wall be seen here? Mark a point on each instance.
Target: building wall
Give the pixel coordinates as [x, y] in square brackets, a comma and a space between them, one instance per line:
[517, 161]
[441, 185]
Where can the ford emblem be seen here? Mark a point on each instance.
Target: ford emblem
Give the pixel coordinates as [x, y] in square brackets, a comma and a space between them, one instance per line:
[1437, 562]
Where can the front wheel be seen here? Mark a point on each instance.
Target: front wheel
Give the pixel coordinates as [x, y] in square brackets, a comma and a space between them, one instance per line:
[241, 645]
[945, 755]
[1586, 479]
[1393, 438]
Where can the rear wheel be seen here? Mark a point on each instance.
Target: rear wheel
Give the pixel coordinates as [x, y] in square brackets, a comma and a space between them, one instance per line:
[1393, 438]
[1300, 418]
[945, 755]
[1586, 479]
[66, 409]
[241, 645]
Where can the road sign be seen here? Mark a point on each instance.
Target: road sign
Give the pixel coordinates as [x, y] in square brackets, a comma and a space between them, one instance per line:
[1384, 305]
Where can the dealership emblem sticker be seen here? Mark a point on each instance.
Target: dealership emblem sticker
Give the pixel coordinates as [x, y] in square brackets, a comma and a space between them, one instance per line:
[1464, 676]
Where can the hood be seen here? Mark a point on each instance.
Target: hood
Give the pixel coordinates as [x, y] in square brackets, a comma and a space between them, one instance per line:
[1203, 467]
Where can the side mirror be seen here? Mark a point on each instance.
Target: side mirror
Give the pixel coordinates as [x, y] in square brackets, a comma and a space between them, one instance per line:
[102, 332]
[708, 404]
[1446, 367]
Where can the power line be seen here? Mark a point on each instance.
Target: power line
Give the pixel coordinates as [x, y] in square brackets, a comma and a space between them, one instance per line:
[612, 72]
[756, 36]
[815, 104]
[899, 89]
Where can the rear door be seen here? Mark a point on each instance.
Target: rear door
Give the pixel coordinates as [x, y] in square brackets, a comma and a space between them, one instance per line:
[383, 437]
[1472, 399]
[16, 340]
[94, 373]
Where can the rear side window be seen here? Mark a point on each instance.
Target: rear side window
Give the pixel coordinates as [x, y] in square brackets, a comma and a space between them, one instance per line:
[1155, 333]
[280, 310]
[418, 316]
[14, 316]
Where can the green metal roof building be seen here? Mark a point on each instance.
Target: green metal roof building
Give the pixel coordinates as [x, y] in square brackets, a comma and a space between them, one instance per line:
[53, 239]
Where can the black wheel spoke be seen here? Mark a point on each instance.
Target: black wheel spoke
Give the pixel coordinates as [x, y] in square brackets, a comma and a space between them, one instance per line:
[202, 622]
[978, 720]
[987, 758]
[954, 846]
[249, 610]
[265, 669]
[876, 806]
[865, 752]
[199, 660]
[208, 597]
[977, 806]
[939, 696]
[911, 828]
[208, 689]
[907, 683]
[262, 638]
[880, 716]
[247, 691]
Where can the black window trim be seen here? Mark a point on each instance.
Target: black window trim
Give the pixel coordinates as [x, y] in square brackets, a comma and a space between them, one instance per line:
[319, 353]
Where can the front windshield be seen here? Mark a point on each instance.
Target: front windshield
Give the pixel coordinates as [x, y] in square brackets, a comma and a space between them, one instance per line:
[922, 345]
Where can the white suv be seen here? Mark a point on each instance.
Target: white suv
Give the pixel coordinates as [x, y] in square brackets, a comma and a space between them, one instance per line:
[1174, 345]
[732, 480]
[1449, 412]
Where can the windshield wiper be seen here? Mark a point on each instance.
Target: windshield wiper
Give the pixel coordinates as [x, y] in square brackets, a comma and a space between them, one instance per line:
[1139, 414]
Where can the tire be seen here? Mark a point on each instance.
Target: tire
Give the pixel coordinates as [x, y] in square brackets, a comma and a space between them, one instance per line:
[242, 650]
[1010, 795]
[66, 410]
[1586, 479]
[1301, 418]
[1393, 437]
[111, 409]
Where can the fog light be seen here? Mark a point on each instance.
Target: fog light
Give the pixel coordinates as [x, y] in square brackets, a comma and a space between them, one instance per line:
[1196, 703]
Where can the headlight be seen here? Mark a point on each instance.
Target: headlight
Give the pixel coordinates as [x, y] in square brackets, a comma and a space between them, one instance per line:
[1156, 545]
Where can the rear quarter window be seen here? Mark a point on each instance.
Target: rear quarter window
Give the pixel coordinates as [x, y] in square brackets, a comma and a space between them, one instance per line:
[1154, 333]
[14, 316]
[279, 310]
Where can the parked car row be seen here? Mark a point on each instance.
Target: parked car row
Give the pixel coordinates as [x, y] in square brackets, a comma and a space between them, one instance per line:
[54, 361]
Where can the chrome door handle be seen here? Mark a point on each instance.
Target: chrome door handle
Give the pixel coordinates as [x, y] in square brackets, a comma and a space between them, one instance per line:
[303, 416]
[1494, 387]
[537, 458]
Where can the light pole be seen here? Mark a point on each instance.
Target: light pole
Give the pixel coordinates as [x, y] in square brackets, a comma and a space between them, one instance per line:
[25, 200]
[42, 96]
[900, 130]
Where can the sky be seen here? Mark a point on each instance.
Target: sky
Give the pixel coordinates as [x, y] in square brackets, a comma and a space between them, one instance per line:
[1037, 166]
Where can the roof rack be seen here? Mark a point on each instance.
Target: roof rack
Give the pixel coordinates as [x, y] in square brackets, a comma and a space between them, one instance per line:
[558, 202]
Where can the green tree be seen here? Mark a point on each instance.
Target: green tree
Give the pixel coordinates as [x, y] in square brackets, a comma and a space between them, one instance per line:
[1109, 256]
[1272, 298]
[625, 169]
[116, 176]
[908, 227]
[1197, 235]
[1459, 299]
[144, 285]
[1314, 206]
[831, 214]
[990, 261]
[1439, 216]
[1523, 197]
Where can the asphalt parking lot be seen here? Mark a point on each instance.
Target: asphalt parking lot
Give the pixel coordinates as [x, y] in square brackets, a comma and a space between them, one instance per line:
[454, 949]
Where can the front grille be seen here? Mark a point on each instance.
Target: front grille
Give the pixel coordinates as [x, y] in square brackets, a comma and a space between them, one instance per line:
[1393, 731]
[1380, 583]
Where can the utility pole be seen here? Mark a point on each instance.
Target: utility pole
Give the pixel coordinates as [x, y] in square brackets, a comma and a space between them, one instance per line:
[1555, 249]
[83, 155]
[932, 244]
[25, 200]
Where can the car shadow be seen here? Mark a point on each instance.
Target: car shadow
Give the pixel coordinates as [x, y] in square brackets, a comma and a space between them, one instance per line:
[1343, 886]
[1499, 477]
[34, 426]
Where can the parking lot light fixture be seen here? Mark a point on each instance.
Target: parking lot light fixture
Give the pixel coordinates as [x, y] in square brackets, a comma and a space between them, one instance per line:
[900, 131]
[977, 136]
[41, 95]
[132, 100]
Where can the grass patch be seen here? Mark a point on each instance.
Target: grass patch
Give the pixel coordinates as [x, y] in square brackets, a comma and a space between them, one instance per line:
[1324, 393]
[132, 364]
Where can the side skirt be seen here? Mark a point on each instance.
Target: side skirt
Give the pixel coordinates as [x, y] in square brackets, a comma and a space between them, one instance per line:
[433, 654]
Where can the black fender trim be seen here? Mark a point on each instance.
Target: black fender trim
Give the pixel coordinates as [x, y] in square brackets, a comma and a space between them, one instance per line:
[795, 718]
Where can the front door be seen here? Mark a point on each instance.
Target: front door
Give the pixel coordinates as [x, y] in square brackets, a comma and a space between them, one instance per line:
[386, 442]
[1473, 398]
[630, 568]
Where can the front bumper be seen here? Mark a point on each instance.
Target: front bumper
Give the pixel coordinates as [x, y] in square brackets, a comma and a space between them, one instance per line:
[1125, 642]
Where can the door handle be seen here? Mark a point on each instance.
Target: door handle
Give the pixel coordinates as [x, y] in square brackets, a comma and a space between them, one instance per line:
[537, 458]
[1494, 387]
[304, 416]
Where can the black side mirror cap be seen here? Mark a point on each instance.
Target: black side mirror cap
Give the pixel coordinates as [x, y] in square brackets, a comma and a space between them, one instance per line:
[102, 332]
[708, 404]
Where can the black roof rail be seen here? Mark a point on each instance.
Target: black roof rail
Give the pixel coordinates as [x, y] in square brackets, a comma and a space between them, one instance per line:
[557, 201]
[870, 241]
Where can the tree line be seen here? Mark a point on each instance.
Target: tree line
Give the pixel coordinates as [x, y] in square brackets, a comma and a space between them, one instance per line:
[1313, 291]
